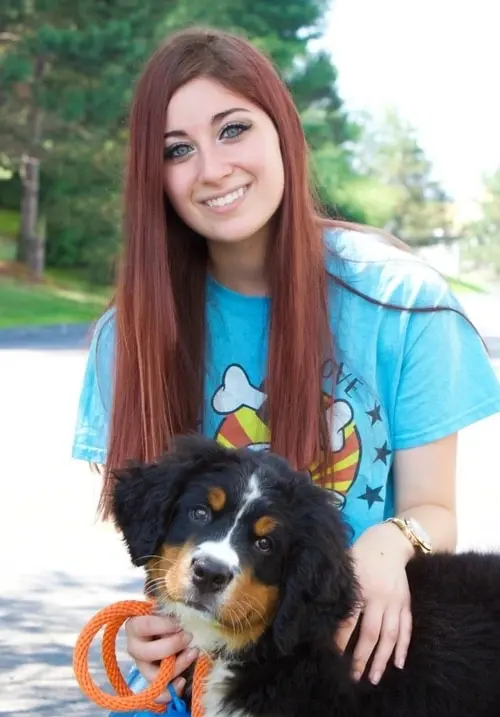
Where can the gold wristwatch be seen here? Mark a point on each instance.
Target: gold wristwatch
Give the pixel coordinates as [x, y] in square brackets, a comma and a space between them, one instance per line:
[412, 530]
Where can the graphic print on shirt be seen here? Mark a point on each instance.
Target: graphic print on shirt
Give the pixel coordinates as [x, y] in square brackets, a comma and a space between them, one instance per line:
[243, 407]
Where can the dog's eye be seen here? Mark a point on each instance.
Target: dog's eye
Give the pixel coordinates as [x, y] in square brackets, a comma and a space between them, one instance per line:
[200, 514]
[265, 545]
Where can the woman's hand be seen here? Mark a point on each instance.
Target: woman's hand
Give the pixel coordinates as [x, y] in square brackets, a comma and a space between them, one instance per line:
[380, 557]
[150, 638]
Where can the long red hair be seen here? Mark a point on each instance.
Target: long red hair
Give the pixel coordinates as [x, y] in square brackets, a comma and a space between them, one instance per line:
[159, 354]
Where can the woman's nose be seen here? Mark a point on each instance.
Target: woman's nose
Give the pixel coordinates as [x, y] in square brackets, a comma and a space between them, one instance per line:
[213, 166]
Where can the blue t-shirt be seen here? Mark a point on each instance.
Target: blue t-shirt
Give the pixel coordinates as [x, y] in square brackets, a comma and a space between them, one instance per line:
[404, 378]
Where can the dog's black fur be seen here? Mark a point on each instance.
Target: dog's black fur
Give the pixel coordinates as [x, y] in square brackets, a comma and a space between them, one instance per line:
[294, 670]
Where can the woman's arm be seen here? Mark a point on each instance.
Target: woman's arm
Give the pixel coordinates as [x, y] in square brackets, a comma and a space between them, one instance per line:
[425, 490]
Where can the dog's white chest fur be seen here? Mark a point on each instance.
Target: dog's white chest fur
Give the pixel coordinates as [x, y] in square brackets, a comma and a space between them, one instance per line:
[216, 690]
[207, 637]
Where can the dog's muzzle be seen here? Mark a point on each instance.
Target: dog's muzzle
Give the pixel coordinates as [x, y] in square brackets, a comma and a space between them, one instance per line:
[210, 576]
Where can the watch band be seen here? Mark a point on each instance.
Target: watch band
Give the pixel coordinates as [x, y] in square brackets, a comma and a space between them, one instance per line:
[414, 532]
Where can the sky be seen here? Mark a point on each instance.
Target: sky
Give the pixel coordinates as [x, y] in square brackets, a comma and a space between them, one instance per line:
[438, 62]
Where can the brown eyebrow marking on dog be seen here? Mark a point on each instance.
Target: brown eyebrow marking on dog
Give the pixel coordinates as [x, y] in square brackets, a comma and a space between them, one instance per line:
[216, 498]
[264, 525]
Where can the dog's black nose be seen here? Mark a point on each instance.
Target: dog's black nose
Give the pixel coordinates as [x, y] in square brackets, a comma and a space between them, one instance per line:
[210, 575]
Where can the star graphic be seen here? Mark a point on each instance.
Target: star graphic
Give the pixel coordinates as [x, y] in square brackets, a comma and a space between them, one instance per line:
[375, 414]
[382, 454]
[372, 495]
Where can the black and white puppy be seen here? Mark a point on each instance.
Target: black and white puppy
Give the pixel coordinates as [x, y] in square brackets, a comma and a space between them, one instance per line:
[252, 558]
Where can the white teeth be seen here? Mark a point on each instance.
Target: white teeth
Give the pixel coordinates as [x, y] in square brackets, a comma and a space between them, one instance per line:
[227, 199]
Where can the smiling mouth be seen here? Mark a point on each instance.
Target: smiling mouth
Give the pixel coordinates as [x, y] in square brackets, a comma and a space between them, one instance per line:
[227, 199]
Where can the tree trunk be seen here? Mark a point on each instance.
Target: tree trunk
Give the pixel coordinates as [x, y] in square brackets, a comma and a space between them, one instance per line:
[36, 253]
[30, 178]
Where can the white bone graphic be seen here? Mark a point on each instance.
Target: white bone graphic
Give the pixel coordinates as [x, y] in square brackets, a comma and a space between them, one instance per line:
[236, 391]
[338, 416]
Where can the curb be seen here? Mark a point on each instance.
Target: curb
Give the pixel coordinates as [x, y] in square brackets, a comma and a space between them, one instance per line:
[57, 336]
[77, 336]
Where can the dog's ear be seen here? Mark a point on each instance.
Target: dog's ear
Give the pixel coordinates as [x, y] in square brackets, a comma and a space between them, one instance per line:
[144, 498]
[319, 588]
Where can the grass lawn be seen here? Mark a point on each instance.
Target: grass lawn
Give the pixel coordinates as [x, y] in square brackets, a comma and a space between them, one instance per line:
[62, 298]
[23, 304]
[459, 286]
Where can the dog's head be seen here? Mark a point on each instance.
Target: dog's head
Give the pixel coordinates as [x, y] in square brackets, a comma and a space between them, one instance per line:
[236, 544]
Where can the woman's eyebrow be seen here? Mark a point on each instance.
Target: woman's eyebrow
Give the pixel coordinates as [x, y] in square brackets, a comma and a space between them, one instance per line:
[218, 117]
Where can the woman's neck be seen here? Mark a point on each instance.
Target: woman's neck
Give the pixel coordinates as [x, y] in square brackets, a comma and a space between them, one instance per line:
[240, 266]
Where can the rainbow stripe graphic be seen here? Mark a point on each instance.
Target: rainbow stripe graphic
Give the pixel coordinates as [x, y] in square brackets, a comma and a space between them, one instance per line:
[244, 428]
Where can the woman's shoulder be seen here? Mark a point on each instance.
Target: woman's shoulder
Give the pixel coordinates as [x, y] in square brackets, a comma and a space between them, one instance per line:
[368, 264]
[94, 407]
[104, 331]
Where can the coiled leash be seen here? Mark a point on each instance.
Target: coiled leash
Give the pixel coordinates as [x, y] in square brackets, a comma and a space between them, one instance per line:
[112, 618]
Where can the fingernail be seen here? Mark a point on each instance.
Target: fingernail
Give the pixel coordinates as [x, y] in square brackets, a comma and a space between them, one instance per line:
[179, 684]
[191, 654]
[400, 663]
[356, 676]
[375, 679]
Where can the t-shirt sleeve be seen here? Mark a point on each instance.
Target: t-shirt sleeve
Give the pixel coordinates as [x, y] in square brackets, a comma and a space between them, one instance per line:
[94, 405]
[446, 382]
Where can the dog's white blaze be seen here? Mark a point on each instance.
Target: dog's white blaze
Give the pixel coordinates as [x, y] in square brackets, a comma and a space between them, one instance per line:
[222, 549]
[253, 491]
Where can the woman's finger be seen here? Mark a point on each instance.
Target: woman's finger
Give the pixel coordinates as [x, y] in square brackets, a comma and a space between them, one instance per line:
[144, 650]
[184, 660]
[149, 671]
[345, 631]
[150, 625]
[389, 635]
[371, 625]
[404, 638]
[178, 685]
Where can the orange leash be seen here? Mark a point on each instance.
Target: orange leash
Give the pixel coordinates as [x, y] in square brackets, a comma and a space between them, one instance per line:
[112, 618]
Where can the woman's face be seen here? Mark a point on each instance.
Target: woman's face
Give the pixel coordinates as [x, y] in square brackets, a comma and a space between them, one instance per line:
[223, 170]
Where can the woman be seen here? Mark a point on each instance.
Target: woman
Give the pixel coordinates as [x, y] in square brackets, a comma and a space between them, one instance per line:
[241, 312]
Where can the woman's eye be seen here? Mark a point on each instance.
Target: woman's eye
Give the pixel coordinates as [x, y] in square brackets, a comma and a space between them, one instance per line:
[200, 514]
[265, 545]
[231, 131]
[177, 151]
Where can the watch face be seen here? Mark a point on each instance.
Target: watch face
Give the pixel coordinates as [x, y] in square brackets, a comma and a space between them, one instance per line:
[419, 532]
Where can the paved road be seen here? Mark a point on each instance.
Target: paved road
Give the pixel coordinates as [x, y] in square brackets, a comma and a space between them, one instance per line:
[58, 566]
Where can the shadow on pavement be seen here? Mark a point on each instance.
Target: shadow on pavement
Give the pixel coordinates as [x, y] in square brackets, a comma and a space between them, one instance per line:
[39, 631]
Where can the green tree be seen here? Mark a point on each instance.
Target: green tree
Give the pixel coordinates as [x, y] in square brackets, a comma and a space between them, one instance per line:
[483, 246]
[389, 155]
[66, 72]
